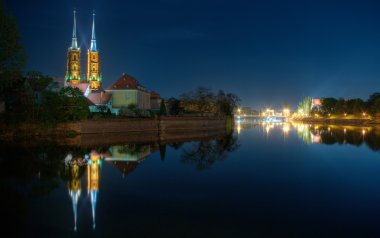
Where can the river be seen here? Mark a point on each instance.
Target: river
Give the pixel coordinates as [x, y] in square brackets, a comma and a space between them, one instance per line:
[263, 180]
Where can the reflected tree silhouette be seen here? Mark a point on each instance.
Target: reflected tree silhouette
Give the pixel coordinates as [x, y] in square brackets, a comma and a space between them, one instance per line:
[203, 154]
[176, 145]
[355, 136]
[162, 151]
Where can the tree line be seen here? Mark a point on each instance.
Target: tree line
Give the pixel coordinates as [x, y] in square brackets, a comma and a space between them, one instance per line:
[332, 106]
[203, 101]
[354, 106]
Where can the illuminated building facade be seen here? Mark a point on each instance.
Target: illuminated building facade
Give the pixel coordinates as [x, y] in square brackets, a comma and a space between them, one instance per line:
[124, 92]
[73, 58]
[94, 77]
[128, 90]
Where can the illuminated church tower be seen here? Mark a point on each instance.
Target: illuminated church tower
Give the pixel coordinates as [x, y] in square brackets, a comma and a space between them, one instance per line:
[94, 76]
[73, 59]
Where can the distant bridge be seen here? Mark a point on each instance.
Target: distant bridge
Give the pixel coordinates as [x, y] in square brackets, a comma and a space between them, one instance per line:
[257, 118]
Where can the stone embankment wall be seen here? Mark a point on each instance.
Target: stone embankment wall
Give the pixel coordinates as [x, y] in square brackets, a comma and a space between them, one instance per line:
[162, 126]
[164, 129]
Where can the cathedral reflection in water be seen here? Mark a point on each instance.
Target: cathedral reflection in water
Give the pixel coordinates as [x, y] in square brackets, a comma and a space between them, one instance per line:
[124, 157]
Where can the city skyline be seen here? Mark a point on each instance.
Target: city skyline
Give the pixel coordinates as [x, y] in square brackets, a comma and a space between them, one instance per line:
[269, 54]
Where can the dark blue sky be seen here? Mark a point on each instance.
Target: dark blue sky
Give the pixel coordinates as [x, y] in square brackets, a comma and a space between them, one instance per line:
[268, 52]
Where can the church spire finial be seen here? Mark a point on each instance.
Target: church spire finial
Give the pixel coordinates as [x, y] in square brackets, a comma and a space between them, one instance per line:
[74, 42]
[93, 39]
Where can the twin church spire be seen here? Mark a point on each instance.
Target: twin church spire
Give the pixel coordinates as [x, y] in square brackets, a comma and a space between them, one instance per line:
[74, 42]
[73, 71]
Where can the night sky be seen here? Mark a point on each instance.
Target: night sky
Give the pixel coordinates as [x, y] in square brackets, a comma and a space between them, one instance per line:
[268, 52]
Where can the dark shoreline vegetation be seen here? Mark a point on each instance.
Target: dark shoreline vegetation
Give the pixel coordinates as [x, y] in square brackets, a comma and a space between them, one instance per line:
[340, 111]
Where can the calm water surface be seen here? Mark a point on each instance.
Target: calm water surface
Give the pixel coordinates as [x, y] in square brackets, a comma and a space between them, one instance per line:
[264, 180]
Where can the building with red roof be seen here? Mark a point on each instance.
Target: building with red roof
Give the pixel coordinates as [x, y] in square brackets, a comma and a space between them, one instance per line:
[128, 90]
[125, 91]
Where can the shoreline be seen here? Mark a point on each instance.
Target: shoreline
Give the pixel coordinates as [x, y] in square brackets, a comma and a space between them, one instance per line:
[339, 121]
[161, 128]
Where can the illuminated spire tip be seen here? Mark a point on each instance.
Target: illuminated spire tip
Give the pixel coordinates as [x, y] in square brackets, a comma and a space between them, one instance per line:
[93, 39]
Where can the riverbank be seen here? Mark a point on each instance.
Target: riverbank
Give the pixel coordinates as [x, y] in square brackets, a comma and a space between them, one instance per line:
[161, 127]
[340, 121]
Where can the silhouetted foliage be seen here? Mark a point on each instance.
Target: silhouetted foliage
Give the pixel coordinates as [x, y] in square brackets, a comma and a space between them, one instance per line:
[12, 53]
[203, 100]
[354, 106]
[163, 152]
[328, 105]
[226, 103]
[174, 106]
[163, 111]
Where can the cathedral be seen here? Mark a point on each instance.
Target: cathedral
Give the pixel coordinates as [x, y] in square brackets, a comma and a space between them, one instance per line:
[125, 91]
[73, 67]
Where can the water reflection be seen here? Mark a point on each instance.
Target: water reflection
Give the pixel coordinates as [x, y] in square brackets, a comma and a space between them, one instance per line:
[43, 166]
[75, 167]
[51, 190]
[330, 135]
[322, 134]
[203, 154]
[124, 157]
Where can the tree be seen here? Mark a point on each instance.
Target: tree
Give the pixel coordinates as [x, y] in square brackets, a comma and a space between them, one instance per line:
[163, 108]
[226, 103]
[355, 106]
[328, 105]
[75, 104]
[305, 106]
[51, 109]
[12, 54]
[373, 103]
[341, 106]
[174, 106]
[201, 100]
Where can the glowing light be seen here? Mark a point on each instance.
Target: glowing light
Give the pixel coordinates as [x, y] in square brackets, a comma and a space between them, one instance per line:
[363, 132]
[315, 139]
[344, 130]
[286, 128]
[286, 112]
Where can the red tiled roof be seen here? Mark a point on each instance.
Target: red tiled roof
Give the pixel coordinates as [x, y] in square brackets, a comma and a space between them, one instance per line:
[99, 97]
[82, 86]
[154, 95]
[126, 82]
